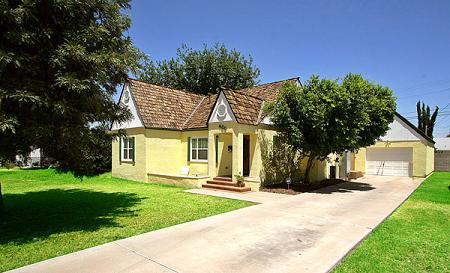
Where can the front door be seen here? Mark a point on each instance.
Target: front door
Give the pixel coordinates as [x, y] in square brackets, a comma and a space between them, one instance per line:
[246, 155]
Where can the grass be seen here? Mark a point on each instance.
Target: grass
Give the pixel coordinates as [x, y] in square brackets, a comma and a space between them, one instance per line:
[415, 238]
[48, 214]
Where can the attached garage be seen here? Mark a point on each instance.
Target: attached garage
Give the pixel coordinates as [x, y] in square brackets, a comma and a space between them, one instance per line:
[403, 151]
[389, 161]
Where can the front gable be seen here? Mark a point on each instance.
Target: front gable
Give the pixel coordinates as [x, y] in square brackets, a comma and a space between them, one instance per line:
[222, 110]
[126, 98]
[399, 130]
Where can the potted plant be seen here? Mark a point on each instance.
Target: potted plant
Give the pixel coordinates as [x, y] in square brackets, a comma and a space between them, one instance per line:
[240, 180]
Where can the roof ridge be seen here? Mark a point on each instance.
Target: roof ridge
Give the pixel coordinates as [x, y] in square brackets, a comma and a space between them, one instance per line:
[293, 78]
[261, 112]
[242, 93]
[170, 88]
[192, 113]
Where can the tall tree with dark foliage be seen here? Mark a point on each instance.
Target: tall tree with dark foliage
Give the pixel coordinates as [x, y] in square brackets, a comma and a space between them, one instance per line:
[426, 120]
[203, 71]
[60, 64]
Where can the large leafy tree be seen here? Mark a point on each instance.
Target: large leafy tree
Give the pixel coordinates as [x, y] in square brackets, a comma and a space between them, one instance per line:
[203, 71]
[330, 116]
[60, 64]
[426, 120]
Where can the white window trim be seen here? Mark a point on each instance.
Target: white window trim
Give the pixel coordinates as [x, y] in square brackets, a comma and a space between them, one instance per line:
[122, 153]
[192, 148]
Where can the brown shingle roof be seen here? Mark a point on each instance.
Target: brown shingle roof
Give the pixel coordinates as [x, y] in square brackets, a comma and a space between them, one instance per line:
[199, 118]
[162, 107]
[267, 91]
[166, 108]
[245, 108]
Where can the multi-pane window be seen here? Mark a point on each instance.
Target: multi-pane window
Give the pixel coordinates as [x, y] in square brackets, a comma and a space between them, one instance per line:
[128, 149]
[199, 149]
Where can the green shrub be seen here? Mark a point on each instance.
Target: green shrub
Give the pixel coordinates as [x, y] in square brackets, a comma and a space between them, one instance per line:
[240, 180]
[279, 161]
[9, 165]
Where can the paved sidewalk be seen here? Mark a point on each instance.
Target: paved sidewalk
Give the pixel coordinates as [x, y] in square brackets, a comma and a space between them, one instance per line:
[308, 232]
[257, 197]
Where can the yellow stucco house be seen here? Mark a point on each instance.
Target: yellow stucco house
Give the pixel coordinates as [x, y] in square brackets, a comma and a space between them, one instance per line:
[179, 137]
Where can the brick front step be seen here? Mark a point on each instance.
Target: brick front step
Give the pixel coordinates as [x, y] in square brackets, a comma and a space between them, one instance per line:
[227, 188]
[222, 178]
[221, 182]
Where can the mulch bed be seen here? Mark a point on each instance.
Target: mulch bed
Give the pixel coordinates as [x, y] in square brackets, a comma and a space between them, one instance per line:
[297, 188]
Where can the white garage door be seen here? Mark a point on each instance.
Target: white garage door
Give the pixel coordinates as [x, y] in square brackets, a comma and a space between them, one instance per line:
[389, 161]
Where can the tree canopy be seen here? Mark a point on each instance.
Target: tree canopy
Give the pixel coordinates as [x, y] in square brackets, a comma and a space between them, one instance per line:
[332, 116]
[203, 71]
[60, 64]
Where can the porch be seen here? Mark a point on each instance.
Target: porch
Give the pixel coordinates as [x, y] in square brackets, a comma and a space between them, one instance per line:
[234, 151]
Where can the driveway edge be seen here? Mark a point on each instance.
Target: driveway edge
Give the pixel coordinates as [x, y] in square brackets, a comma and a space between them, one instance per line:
[371, 230]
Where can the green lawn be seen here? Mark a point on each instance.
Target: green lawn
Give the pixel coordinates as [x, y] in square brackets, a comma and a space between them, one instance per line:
[49, 214]
[415, 238]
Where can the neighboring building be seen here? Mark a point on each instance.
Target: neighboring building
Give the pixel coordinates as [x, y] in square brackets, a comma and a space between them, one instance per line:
[180, 137]
[34, 159]
[442, 155]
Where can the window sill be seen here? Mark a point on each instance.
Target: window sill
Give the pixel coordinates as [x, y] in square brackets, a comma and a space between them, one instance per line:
[198, 161]
[127, 161]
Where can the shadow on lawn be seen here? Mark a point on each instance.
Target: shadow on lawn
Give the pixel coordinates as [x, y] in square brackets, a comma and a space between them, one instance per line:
[346, 187]
[36, 215]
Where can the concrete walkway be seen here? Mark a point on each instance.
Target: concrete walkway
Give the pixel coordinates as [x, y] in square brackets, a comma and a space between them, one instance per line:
[257, 197]
[308, 232]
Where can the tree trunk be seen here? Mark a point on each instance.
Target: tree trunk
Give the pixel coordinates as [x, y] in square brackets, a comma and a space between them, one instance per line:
[308, 168]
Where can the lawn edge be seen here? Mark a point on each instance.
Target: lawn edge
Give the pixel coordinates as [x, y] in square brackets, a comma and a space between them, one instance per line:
[117, 242]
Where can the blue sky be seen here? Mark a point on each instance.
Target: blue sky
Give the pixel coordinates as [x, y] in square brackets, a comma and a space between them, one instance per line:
[404, 45]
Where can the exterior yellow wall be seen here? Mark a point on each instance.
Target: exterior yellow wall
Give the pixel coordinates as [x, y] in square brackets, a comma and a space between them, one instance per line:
[177, 180]
[320, 169]
[256, 160]
[167, 152]
[160, 154]
[423, 156]
[430, 160]
[163, 151]
[360, 160]
[131, 170]
[157, 152]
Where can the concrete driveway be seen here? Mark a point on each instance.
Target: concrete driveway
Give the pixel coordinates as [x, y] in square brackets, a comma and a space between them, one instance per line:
[309, 232]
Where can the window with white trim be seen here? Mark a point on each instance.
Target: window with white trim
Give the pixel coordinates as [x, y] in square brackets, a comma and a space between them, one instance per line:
[127, 149]
[199, 149]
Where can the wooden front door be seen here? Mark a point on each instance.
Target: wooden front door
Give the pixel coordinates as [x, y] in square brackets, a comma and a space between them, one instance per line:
[246, 156]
